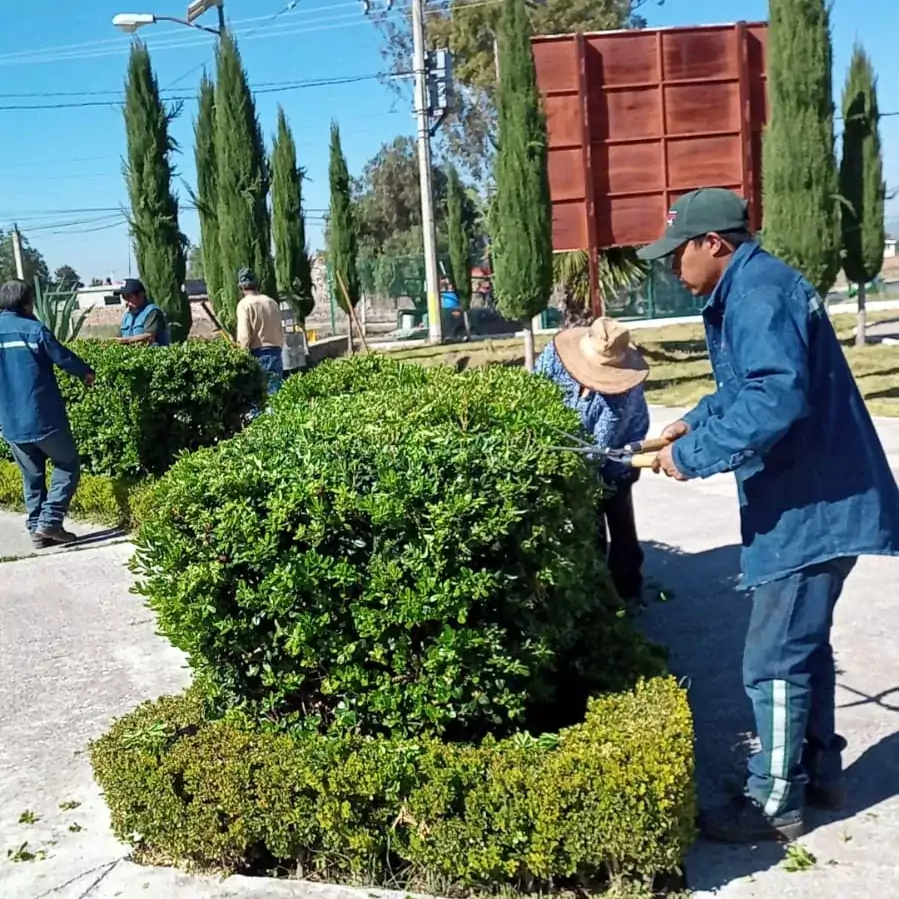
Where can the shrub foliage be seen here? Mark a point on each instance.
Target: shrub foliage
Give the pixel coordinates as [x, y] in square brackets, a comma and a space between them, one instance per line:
[150, 404]
[406, 560]
[611, 795]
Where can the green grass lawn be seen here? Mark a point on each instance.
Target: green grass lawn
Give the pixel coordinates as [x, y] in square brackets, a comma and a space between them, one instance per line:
[680, 373]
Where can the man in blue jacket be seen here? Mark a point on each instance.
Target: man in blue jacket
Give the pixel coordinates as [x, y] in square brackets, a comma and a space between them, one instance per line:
[815, 488]
[32, 414]
[143, 322]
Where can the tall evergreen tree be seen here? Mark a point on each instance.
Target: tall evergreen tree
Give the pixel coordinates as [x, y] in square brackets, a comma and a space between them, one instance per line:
[159, 245]
[799, 183]
[861, 181]
[243, 183]
[459, 241]
[207, 189]
[522, 219]
[292, 265]
[342, 245]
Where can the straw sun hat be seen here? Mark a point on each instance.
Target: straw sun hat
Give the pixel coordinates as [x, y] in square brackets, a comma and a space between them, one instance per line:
[601, 357]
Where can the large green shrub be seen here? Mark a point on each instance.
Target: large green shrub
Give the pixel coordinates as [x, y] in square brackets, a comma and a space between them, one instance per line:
[335, 377]
[409, 560]
[151, 403]
[611, 795]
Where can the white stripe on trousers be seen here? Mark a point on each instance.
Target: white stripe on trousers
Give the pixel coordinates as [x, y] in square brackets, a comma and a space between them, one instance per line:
[777, 759]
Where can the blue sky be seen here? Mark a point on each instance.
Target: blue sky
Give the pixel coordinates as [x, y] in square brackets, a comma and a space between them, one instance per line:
[60, 168]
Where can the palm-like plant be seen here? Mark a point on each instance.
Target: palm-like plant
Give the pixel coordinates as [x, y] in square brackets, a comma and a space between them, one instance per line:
[619, 270]
[58, 311]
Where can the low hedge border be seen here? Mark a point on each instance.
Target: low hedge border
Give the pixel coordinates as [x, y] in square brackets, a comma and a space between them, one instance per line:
[611, 796]
[114, 502]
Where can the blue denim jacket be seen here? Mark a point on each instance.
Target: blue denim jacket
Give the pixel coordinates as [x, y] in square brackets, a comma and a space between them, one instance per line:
[788, 419]
[612, 420]
[31, 406]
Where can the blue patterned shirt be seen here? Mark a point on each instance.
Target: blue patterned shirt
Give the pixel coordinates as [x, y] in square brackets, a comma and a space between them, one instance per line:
[613, 420]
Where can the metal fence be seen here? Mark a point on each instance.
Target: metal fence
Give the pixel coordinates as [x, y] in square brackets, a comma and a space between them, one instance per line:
[401, 279]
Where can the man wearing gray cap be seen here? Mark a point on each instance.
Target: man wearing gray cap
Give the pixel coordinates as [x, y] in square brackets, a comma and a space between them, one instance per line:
[260, 329]
[815, 489]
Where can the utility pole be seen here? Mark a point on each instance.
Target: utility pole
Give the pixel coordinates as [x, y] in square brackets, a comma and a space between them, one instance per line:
[429, 230]
[17, 253]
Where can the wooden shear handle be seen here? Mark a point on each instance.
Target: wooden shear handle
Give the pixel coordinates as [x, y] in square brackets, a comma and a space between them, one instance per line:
[642, 460]
[651, 445]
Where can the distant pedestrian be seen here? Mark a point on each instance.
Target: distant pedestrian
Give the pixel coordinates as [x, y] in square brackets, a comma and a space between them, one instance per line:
[33, 417]
[260, 329]
[144, 322]
[601, 377]
[815, 487]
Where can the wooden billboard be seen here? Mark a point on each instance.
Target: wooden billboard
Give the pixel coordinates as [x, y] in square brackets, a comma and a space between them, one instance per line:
[638, 118]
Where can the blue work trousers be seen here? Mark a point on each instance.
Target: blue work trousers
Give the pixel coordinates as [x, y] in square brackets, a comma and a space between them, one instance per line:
[790, 678]
[46, 508]
[270, 360]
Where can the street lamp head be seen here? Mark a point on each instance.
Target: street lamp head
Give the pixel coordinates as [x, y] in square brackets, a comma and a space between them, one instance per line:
[129, 22]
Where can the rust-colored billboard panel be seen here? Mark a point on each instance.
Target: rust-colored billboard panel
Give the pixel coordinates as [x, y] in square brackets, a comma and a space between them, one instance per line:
[638, 118]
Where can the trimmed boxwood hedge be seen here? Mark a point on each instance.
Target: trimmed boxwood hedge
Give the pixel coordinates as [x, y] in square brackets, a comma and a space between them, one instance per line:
[613, 795]
[404, 560]
[150, 404]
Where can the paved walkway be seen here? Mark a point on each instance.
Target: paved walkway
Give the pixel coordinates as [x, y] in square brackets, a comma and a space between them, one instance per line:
[76, 649]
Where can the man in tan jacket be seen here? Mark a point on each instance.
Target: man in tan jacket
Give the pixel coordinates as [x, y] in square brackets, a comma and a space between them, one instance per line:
[259, 328]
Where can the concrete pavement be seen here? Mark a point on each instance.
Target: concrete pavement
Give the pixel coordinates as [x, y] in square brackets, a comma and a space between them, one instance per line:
[77, 649]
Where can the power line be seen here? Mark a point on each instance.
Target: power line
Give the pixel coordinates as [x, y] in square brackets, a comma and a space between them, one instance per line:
[172, 39]
[117, 41]
[272, 89]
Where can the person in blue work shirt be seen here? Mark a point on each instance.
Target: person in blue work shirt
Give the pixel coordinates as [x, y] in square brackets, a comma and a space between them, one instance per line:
[815, 488]
[33, 418]
[601, 377]
[143, 322]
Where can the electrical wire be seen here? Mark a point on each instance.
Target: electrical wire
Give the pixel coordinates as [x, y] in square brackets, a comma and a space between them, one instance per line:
[273, 89]
[64, 48]
[173, 39]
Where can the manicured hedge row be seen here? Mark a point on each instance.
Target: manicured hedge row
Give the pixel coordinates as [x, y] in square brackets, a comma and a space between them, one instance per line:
[101, 499]
[150, 404]
[359, 374]
[611, 795]
[404, 560]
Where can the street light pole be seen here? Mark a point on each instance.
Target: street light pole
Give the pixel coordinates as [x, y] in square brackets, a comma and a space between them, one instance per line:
[428, 227]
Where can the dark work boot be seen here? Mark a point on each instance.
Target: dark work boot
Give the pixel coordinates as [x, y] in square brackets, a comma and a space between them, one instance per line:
[44, 538]
[742, 820]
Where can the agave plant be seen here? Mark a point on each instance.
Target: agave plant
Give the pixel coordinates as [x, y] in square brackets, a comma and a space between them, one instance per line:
[58, 311]
[619, 270]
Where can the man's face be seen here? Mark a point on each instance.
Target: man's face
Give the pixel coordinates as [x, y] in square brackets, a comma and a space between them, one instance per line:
[700, 263]
[133, 301]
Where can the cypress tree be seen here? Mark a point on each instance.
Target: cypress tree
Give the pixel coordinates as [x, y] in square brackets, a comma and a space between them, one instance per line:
[799, 183]
[522, 220]
[459, 241]
[207, 189]
[242, 175]
[292, 265]
[342, 244]
[159, 245]
[861, 181]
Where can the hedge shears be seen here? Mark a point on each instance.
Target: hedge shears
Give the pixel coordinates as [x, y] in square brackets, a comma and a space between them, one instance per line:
[636, 455]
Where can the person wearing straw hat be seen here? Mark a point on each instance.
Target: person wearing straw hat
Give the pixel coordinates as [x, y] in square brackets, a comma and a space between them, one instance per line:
[601, 377]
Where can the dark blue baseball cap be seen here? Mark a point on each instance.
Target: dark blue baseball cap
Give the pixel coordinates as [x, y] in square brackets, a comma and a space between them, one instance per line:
[132, 287]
